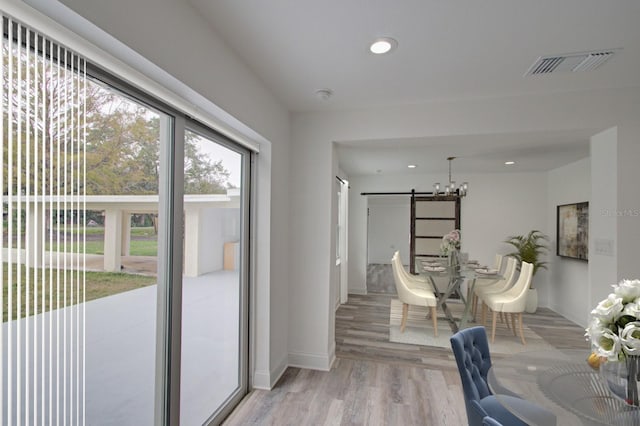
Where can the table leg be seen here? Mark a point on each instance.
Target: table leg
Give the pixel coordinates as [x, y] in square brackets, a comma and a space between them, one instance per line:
[464, 319]
[442, 303]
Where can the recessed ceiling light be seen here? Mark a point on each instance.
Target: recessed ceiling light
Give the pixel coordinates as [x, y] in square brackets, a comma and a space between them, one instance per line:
[383, 45]
[412, 166]
[508, 163]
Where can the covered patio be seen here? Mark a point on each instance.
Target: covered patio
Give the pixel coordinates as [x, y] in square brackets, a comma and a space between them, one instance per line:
[204, 242]
[120, 351]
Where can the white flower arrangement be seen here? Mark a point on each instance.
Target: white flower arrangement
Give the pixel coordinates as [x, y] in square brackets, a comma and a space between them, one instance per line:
[614, 329]
[450, 242]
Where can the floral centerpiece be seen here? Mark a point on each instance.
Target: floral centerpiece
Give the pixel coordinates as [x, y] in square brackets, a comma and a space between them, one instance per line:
[614, 329]
[614, 332]
[449, 247]
[450, 242]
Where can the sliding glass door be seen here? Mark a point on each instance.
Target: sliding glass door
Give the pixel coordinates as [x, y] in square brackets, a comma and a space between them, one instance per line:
[214, 286]
[124, 249]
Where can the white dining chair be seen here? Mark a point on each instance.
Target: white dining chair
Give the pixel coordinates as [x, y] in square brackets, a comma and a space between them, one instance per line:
[412, 280]
[416, 296]
[512, 301]
[495, 287]
[498, 263]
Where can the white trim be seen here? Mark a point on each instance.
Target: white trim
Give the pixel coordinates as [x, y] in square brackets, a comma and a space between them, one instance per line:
[267, 380]
[310, 361]
[262, 380]
[343, 221]
[332, 354]
[71, 30]
[357, 291]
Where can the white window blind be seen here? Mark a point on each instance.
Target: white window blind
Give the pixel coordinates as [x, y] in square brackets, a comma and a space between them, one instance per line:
[43, 185]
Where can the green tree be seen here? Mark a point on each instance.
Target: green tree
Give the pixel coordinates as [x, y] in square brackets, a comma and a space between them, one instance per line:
[201, 175]
[40, 101]
[122, 150]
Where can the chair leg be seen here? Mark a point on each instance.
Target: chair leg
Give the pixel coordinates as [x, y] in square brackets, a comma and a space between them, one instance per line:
[435, 321]
[493, 327]
[521, 332]
[484, 313]
[501, 317]
[513, 323]
[405, 314]
[474, 306]
[506, 320]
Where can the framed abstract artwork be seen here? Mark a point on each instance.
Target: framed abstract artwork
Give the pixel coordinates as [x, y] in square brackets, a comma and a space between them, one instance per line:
[573, 231]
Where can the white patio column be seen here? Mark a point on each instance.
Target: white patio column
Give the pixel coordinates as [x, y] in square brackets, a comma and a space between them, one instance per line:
[126, 233]
[191, 234]
[112, 239]
[35, 222]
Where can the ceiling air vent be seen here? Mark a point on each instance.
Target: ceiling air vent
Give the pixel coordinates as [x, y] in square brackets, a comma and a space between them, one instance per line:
[570, 62]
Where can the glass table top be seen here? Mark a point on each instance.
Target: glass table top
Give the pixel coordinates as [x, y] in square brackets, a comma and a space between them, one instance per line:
[561, 382]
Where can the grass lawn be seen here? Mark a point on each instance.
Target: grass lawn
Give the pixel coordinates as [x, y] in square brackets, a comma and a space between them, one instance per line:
[137, 231]
[98, 284]
[136, 248]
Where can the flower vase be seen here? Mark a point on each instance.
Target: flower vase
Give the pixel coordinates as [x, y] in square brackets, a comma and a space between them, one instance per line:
[453, 260]
[621, 378]
[633, 375]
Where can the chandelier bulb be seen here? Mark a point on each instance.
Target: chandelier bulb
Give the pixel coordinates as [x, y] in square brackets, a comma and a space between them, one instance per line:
[450, 188]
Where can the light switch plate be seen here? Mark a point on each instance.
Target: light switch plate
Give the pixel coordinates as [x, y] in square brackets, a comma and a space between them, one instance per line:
[603, 246]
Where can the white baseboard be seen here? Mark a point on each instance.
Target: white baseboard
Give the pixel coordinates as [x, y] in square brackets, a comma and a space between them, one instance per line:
[358, 291]
[332, 354]
[320, 362]
[267, 380]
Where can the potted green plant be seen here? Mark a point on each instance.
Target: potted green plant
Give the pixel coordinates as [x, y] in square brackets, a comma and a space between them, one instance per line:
[530, 248]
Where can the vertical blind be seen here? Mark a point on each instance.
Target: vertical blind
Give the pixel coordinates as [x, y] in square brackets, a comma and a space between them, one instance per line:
[42, 338]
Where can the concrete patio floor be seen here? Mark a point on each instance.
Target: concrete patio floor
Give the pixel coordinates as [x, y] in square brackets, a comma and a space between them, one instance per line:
[120, 353]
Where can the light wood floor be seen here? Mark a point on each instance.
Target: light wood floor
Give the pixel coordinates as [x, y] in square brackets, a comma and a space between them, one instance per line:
[376, 382]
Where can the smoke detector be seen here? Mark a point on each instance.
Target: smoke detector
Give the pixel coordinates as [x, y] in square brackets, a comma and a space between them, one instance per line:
[570, 62]
[324, 94]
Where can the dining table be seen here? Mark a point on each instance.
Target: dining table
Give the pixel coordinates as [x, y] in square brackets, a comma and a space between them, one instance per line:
[455, 275]
[565, 387]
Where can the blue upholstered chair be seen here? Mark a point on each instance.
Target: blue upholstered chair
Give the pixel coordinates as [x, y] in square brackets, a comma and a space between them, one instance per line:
[490, 421]
[471, 350]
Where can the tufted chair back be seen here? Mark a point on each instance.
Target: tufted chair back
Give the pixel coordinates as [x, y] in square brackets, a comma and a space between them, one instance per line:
[471, 350]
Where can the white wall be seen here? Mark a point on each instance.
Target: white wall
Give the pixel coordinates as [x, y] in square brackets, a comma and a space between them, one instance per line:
[312, 241]
[170, 42]
[568, 278]
[628, 194]
[603, 221]
[388, 228]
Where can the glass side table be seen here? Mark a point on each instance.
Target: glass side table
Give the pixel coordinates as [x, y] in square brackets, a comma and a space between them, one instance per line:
[562, 383]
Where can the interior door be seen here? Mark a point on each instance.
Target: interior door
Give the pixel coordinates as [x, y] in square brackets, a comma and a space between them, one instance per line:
[431, 219]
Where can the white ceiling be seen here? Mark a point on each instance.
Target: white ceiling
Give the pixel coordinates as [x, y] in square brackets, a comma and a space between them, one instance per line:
[464, 49]
[539, 151]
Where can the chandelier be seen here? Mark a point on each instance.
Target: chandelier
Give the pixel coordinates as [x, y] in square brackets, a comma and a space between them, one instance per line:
[450, 188]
